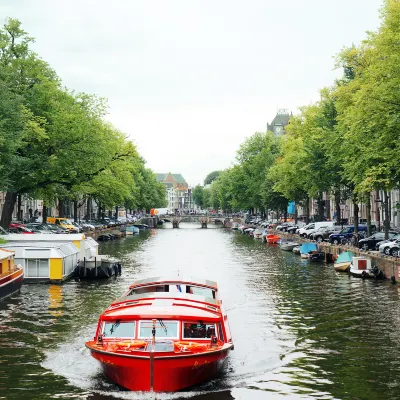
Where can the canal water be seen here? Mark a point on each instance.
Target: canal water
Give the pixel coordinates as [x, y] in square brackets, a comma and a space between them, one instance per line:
[301, 330]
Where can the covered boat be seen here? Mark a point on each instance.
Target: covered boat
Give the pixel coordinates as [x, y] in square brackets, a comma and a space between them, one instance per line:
[296, 249]
[288, 246]
[11, 275]
[343, 261]
[360, 267]
[132, 230]
[307, 248]
[163, 335]
[258, 233]
[273, 239]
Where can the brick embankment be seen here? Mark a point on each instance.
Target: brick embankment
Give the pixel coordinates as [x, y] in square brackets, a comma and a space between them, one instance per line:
[389, 265]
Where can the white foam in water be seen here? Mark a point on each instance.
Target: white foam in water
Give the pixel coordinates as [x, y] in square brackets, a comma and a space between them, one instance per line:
[72, 360]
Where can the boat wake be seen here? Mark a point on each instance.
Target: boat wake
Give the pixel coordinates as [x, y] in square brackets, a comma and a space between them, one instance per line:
[72, 361]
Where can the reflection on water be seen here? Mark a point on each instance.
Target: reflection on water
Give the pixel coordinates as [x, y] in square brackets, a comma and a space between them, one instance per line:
[56, 300]
[301, 330]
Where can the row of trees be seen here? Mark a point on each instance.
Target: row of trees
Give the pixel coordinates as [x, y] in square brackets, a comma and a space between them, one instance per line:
[56, 145]
[346, 144]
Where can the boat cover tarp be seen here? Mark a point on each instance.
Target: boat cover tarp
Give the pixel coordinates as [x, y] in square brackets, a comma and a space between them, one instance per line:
[345, 257]
[307, 247]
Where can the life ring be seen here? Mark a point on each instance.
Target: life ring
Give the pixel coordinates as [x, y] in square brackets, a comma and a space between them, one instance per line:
[190, 346]
[131, 344]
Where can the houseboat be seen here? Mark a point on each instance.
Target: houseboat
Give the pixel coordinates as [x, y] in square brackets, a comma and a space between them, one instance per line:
[163, 335]
[45, 262]
[11, 275]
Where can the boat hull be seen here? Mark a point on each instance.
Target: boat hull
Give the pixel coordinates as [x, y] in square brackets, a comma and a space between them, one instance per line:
[133, 372]
[342, 267]
[287, 246]
[357, 273]
[11, 283]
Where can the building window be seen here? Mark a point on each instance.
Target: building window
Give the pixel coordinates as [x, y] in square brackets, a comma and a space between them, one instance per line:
[37, 268]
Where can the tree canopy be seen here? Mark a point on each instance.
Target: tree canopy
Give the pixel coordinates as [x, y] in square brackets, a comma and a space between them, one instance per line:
[56, 144]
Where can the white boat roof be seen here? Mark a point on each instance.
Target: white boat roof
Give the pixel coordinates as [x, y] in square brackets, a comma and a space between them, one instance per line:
[175, 279]
[40, 237]
[54, 250]
[4, 253]
[167, 295]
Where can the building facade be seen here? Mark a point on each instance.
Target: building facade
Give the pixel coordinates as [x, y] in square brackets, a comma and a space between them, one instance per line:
[279, 123]
[178, 193]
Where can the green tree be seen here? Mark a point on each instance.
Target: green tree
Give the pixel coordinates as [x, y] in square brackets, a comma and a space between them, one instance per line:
[210, 178]
[197, 193]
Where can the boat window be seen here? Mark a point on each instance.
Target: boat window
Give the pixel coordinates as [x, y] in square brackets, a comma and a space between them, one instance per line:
[220, 332]
[201, 291]
[37, 268]
[157, 288]
[119, 329]
[198, 331]
[164, 329]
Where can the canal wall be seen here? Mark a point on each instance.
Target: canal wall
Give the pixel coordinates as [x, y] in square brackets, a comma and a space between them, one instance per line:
[388, 264]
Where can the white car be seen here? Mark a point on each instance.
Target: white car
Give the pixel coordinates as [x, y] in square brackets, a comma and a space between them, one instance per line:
[391, 248]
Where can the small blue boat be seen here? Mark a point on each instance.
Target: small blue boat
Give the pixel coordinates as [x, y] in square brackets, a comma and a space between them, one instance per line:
[307, 248]
[132, 230]
[343, 261]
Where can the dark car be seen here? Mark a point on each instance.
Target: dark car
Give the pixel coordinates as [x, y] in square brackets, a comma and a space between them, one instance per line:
[348, 232]
[371, 242]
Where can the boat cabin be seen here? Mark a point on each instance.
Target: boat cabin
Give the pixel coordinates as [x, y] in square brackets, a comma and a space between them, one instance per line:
[178, 309]
[200, 287]
[43, 262]
[6, 261]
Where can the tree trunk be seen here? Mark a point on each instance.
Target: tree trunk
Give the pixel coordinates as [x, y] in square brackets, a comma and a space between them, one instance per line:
[355, 215]
[307, 210]
[378, 213]
[75, 210]
[8, 209]
[295, 213]
[386, 222]
[337, 207]
[320, 208]
[368, 210]
[44, 218]
[285, 214]
[99, 211]
[89, 208]
[116, 212]
[61, 208]
[19, 212]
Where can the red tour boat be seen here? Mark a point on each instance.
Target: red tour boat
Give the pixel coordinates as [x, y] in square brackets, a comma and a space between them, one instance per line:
[163, 335]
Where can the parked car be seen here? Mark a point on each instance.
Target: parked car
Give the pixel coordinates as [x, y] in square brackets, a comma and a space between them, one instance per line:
[389, 248]
[347, 233]
[283, 227]
[323, 233]
[39, 228]
[18, 228]
[311, 228]
[383, 242]
[371, 241]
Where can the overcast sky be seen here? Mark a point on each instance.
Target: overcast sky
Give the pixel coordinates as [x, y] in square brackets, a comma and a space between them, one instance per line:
[189, 80]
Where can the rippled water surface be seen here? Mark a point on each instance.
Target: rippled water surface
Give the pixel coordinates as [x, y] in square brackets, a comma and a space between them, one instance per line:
[300, 330]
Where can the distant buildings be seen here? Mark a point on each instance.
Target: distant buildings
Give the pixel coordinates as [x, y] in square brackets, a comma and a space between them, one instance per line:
[178, 193]
[279, 123]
